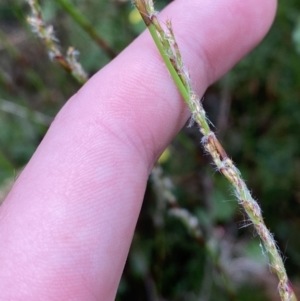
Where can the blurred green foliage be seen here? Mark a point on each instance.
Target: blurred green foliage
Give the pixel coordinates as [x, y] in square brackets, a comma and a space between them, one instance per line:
[261, 133]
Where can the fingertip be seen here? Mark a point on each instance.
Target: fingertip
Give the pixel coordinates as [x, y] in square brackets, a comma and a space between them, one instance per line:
[214, 36]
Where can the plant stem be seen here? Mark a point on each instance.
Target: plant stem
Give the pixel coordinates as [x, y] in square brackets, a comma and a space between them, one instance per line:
[23, 112]
[169, 65]
[87, 27]
[69, 63]
[167, 45]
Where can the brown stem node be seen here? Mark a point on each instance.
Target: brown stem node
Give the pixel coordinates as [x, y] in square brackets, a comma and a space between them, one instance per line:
[213, 139]
[141, 6]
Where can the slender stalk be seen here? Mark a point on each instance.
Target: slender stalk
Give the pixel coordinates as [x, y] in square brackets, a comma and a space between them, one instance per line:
[23, 112]
[167, 45]
[87, 27]
[68, 62]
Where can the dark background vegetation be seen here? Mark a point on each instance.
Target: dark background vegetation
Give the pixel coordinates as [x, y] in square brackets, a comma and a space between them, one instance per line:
[256, 110]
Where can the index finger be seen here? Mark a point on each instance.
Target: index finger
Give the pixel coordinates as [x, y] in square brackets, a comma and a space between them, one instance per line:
[67, 225]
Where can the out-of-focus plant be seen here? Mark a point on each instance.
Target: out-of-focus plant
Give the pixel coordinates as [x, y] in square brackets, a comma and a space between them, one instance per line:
[46, 33]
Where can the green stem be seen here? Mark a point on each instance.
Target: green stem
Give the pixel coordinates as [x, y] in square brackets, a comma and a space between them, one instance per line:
[87, 27]
[183, 89]
[175, 76]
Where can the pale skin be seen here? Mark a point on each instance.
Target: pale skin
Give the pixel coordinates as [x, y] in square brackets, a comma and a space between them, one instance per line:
[67, 224]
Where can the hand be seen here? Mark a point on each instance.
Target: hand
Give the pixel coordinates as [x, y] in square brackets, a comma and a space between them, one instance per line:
[66, 226]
